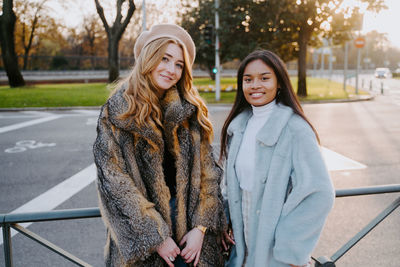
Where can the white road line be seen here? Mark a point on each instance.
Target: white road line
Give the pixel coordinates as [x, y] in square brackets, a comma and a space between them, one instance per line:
[58, 194]
[87, 112]
[337, 162]
[25, 114]
[38, 113]
[30, 114]
[27, 123]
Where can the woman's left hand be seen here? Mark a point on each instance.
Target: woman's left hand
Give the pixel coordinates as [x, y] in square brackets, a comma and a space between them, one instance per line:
[228, 239]
[194, 243]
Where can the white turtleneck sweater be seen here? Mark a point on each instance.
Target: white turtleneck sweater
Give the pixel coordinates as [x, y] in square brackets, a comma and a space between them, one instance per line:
[245, 161]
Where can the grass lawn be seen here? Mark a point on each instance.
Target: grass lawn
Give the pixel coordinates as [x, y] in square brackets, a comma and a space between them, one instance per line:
[95, 94]
[54, 95]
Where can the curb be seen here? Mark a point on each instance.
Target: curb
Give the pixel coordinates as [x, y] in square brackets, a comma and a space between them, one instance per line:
[49, 108]
[354, 98]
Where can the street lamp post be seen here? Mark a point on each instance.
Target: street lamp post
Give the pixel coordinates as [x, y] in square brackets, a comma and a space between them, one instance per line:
[144, 15]
[359, 42]
[217, 64]
[358, 68]
[346, 55]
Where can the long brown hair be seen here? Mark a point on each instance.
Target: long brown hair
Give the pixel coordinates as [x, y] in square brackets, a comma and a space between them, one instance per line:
[285, 94]
[141, 92]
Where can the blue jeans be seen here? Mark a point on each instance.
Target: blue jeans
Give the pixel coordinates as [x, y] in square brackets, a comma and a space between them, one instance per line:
[179, 262]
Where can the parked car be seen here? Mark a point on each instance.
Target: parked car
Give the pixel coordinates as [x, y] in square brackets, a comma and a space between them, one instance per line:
[383, 73]
[396, 73]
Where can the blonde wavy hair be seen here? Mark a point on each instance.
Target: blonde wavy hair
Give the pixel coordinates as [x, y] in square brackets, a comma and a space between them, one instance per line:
[141, 93]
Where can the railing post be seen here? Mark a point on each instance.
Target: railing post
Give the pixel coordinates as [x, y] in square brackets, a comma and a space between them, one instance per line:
[7, 245]
[324, 261]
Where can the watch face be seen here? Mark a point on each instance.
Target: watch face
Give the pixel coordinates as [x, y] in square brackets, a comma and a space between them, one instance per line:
[202, 228]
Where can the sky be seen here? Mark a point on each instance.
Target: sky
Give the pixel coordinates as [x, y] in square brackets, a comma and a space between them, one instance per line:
[386, 21]
[73, 13]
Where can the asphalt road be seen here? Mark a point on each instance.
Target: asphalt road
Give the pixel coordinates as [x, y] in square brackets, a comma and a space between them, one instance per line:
[35, 159]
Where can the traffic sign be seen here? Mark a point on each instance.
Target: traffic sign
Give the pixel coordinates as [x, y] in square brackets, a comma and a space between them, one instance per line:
[359, 42]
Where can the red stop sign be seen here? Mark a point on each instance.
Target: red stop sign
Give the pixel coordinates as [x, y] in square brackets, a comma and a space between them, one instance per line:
[359, 42]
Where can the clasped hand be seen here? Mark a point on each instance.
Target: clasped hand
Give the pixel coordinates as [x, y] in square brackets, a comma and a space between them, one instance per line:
[168, 250]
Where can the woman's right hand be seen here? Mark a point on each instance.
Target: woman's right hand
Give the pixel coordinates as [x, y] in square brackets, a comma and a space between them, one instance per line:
[228, 239]
[168, 250]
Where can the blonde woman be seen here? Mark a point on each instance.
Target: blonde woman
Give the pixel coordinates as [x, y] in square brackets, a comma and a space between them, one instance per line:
[158, 182]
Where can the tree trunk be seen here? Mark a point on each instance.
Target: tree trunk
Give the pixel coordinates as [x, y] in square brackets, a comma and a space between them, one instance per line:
[26, 55]
[27, 47]
[10, 60]
[113, 59]
[114, 34]
[302, 64]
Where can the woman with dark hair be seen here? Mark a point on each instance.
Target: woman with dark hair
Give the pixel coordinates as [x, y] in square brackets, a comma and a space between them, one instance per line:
[158, 183]
[276, 182]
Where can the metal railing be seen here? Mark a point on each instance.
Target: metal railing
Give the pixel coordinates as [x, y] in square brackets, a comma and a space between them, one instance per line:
[330, 262]
[11, 221]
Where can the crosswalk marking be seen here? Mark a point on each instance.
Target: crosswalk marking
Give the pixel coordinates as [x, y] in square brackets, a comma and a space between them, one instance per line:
[337, 162]
[27, 123]
[58, 194]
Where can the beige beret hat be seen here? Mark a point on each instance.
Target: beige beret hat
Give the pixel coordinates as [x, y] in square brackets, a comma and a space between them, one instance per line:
[166, 30]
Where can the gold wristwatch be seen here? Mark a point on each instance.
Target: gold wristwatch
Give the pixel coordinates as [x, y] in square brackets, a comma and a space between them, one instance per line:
[202, 228]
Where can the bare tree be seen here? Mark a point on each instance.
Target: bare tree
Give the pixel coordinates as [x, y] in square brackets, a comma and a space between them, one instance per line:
[91, 33]
[29, 16]
[114, 34]
[10, 61]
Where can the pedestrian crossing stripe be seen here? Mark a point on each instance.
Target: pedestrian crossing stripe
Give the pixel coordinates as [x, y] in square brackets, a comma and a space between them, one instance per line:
[337, 162]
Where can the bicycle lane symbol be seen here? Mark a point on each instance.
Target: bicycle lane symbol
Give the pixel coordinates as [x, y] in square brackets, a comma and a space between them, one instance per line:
[24, 145]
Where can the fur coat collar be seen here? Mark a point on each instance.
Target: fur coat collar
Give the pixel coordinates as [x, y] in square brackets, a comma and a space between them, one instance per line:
[175, 111]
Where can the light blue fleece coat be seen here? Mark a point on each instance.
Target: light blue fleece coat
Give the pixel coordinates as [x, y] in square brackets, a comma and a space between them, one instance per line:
[292, 193]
